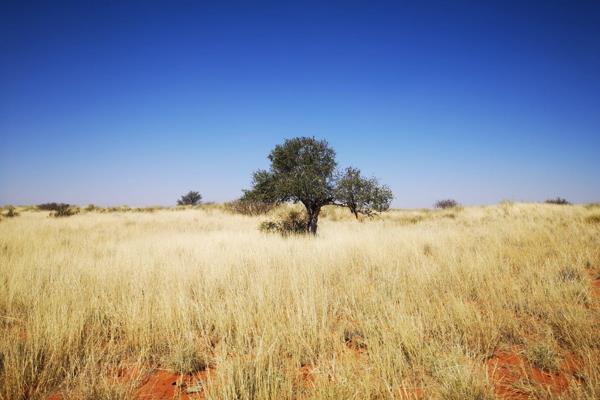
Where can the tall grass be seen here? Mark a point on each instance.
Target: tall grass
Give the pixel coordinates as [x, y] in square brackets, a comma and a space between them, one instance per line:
[406, 304]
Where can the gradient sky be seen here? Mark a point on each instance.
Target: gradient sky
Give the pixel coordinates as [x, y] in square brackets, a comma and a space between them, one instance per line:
[113, 102]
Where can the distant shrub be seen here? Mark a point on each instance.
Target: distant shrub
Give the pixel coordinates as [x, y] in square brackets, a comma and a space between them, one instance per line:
[91, 207]
[48, 206]
[448, 203]
[294, 223]
[124, 208]
[11, 212]
[191, 198]
[64, 210]
[249, 207]
[145, 209]
[559, 201]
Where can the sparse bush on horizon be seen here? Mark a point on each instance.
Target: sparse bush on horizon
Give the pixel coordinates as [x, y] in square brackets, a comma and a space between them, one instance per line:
[559, 201]
[91, 207]
[64, 210]
[447, 203]
[191, 198]
[59, 209]
[11, 212]
[48, 206]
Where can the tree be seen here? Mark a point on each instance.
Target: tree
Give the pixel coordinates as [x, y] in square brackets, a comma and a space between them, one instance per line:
[362, 195]
[303, 170]
[190, 199]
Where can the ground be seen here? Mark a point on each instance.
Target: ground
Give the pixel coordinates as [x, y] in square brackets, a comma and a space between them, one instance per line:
[468, 303]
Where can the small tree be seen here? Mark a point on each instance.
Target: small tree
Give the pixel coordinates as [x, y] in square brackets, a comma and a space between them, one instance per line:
[361, 195]
[190, 199]
[303, 171]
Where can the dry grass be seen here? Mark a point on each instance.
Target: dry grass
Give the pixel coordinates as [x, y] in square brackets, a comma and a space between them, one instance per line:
[408, 304]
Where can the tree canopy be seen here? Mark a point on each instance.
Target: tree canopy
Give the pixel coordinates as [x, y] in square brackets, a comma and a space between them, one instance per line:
[362, 195]
[304, 170]
[191, 198]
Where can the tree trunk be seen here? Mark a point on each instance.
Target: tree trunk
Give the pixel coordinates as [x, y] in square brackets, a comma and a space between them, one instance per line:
[313, 219]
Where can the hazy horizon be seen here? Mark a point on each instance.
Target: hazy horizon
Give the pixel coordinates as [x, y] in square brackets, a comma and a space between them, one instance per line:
[122, 103]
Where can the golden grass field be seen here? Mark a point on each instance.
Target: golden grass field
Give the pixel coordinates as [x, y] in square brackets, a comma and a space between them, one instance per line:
[473, 303]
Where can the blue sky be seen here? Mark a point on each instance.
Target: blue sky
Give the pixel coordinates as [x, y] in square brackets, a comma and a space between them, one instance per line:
[135, 103]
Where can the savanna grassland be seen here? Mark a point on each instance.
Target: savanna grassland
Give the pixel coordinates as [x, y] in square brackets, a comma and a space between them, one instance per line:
[473, 303]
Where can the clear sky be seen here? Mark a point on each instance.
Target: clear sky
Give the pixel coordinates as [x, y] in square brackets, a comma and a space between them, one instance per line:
[115, 102]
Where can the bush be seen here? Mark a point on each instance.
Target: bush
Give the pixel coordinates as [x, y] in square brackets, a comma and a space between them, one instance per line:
[559, 201]
[249, 207]
[448, 203]
[64, 210]
[11, 212]
[91, 207]
[543, 356]
[191, 198]
[294, 223]
[48, 206]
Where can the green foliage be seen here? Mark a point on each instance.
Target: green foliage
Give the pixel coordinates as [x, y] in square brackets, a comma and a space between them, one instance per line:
[303, 170]
[294, 223]
[361, 195]
[191, 198]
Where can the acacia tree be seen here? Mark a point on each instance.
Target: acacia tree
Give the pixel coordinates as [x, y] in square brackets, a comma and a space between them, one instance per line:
[191, 198]
[362, 195]
[303, 170]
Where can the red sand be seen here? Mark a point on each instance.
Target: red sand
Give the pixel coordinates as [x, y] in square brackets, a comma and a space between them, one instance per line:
[507, 367]
[164, 385]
